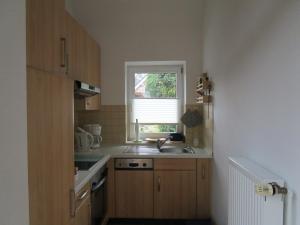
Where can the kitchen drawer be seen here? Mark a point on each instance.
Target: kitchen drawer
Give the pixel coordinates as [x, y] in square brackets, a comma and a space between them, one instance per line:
[83, 206]
[175, 164]
[83, 194]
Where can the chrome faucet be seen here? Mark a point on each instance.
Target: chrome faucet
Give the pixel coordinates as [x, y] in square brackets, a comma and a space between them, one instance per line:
[161, 142]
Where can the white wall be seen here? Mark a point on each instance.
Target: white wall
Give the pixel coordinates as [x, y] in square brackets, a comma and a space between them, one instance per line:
[252, 52]
[13, 133]
[142, 30]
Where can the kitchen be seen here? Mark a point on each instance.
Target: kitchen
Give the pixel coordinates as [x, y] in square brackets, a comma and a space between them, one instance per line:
[73, 151]
[127, 179]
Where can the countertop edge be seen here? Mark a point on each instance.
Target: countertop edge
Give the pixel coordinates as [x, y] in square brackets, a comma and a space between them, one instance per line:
[91, 173]
[107, 156]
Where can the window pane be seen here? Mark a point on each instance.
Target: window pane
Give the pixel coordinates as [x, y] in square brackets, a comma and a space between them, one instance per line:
[168, 128]
[155, 85]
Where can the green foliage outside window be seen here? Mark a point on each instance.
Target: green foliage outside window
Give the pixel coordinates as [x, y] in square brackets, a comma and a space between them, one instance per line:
[161, 85]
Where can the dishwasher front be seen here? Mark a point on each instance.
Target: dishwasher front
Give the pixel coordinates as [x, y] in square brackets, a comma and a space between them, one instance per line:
[134, 179]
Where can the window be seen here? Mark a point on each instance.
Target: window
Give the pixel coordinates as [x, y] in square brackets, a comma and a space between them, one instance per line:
[155, 96]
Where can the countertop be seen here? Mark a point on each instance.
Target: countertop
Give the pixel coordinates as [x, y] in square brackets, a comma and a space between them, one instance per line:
[106, 152]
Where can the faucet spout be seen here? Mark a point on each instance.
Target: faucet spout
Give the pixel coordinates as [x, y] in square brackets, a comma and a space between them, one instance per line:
[161, 142]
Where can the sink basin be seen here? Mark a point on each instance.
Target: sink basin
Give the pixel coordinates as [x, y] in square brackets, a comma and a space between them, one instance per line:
[177, 150]
[142, 150]
[154, 150]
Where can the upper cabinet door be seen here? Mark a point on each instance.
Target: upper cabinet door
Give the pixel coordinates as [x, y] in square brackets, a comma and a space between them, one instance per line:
[93, 62]
[46, 35]
[76, 49]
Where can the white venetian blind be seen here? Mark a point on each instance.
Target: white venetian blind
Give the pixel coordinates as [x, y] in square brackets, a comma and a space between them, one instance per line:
[155, 110]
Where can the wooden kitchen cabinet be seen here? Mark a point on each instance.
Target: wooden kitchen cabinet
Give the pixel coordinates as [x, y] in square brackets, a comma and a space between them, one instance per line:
[92, 103]
[175, 194]
[46, 35]
[50, 148]
[203, 188]
[83, 53]
[134, 194]
[93, 62]
[175, 164]
[76, 50]
[83, 207]
[88, 103]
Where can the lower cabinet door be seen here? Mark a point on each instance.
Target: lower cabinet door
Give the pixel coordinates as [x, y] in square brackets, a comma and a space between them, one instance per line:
[50, 147]
[83, 213]
[175, 194]
[134, 194]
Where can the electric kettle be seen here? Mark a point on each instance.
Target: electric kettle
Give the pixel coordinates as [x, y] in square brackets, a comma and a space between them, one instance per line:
[95, 130]
[84, 140]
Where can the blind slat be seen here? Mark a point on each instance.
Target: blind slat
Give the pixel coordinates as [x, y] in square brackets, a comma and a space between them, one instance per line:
[155, 110]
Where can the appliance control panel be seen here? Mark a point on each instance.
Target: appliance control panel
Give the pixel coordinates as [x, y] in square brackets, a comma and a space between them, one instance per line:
[121, 163]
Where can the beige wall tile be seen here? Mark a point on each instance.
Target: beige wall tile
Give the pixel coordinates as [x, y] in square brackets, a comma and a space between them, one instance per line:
[112, 118]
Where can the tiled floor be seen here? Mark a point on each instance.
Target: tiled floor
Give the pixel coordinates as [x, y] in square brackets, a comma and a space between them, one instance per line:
[159, 222]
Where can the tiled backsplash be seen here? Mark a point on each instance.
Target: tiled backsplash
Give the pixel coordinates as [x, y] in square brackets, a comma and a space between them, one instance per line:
[113, 122]
[195, 132]
[208, 126]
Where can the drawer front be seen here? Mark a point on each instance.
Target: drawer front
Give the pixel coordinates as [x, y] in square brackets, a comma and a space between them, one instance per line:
[175, 164]
[83, 194]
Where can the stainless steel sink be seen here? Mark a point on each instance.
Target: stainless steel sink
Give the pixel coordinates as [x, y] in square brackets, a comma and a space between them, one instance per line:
[163, 150]
[176, 150]
[142, 150]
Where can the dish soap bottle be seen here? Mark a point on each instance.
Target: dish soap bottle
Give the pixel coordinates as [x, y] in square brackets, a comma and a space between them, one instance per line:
[137, 130]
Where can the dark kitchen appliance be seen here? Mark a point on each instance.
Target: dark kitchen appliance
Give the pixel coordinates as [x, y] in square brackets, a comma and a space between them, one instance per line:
[99, 196]
[82, 90]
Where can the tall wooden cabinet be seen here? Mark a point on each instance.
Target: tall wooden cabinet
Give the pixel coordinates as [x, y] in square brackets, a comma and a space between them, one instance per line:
[59, 51]
[50, 147]
[46, 35]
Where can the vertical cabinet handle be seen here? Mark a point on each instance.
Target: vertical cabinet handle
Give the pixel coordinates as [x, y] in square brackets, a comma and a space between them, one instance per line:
[203, 172]
[72, 203]
[84, 195]
[63, 52]
[158, 184]
[67, 63]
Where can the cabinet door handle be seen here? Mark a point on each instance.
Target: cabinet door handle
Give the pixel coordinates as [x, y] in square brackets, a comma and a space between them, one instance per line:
[67, 63]
[83, 195]
[63, 47]
[72, 203]
[203, 172]
[158, 184]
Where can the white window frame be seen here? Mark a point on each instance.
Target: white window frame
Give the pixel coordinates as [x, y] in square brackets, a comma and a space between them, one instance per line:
[178, 67]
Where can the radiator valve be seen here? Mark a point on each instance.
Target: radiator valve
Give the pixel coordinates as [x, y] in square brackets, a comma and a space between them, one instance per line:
[270, 189]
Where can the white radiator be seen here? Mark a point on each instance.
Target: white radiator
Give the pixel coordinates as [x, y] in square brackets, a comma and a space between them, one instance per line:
[245, 206]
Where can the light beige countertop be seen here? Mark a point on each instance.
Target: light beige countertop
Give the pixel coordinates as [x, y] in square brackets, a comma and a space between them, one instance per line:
[106, 152]
[84, 176]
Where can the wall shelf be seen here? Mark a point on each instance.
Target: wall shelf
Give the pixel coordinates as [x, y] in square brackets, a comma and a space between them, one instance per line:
[203, 89]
